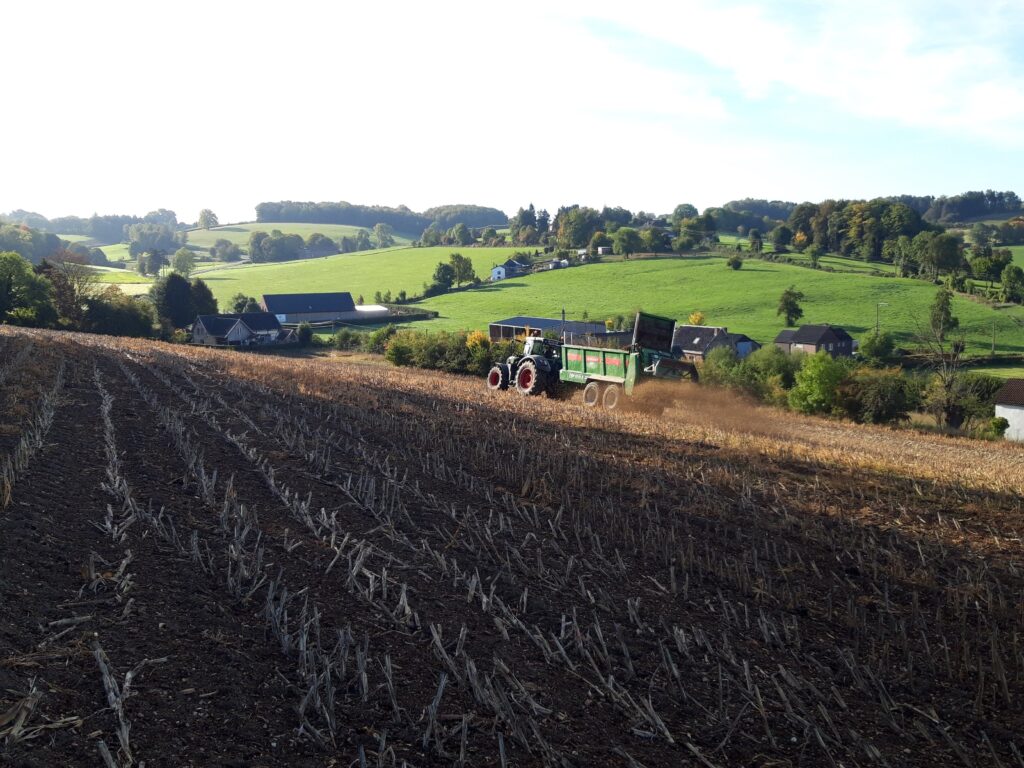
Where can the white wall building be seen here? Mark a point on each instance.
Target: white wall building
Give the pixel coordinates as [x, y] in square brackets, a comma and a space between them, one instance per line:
[1010, 405]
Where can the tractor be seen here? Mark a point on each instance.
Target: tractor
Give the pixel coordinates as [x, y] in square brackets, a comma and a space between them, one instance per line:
[606, 375]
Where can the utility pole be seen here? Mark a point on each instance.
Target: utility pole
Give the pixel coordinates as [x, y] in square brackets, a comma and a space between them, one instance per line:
[877, 305]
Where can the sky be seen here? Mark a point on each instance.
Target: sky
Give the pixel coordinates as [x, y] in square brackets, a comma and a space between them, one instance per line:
[126, 107]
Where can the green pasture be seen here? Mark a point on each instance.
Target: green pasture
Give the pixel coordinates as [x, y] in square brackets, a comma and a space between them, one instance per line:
[117, 252]
[363, 273]
[1014, 371]
[239, 233]
[121, 277]
[745, 300]
[75, 238]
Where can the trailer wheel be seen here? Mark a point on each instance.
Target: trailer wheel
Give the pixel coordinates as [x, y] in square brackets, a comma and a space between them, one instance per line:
[612, 396]
[591, 394]
[497, 378]
[529, 381]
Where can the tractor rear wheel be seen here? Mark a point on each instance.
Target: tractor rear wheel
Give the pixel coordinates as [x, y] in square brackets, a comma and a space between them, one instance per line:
[591, 394]
[612, 397]
[497, 378]
[530, 381]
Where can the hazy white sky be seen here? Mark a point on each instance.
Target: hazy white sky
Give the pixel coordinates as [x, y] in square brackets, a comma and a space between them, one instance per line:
[124, 107]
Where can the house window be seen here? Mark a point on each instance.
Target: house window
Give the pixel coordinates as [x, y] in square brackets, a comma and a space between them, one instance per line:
[829, 347]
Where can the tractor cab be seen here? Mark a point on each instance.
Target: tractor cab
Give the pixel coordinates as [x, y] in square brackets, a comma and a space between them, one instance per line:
[538, 345]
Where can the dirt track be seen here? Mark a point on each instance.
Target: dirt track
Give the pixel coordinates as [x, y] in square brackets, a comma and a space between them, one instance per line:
[303, 563]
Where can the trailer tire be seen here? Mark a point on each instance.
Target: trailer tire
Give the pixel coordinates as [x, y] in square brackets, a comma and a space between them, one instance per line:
[612, 397]
[497, 377]
[591, 394]
[529, 380]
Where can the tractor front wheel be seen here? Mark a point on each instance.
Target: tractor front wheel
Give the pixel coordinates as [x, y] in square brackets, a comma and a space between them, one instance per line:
[612, 397]
[530, 381]
[591, 394]
[497, 377]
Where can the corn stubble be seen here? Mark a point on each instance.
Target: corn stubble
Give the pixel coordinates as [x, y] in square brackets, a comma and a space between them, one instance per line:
[448, 577]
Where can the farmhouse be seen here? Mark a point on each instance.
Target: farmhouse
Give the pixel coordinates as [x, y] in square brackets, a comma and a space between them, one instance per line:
[815, 338]
[1010, 405]
[510, 268]
[246, 329]
[694, 342]
[515, 327]
[320, 307]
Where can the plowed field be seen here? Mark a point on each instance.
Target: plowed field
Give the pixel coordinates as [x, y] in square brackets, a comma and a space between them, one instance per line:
[223, 559]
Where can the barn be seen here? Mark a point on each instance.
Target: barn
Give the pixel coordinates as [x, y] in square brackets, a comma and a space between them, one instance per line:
[515, 327]
[1010, 405]
[294, 308]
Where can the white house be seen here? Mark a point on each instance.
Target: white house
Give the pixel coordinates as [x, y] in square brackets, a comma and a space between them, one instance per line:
[1010, 405]
[510, 268]
[248, 328]
[604, 250]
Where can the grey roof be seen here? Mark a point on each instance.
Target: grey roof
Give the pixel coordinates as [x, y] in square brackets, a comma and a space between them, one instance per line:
[785, 336]
[216, 325]
[513, 264]
[820, 334]
[696, 337]
[1011, 393]
[299, 303]
[551, 324]
[737, 338]
[219, 325]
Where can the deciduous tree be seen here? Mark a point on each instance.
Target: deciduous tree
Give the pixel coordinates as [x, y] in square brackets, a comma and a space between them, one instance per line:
[789, 305]
[207, 219]
[183, 262]
[383, 235]
[626, 241]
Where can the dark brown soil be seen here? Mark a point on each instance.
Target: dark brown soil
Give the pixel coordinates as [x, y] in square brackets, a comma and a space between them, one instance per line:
[578, 597]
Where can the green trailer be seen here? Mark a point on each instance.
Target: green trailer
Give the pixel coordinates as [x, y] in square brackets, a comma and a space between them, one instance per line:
[608, 374]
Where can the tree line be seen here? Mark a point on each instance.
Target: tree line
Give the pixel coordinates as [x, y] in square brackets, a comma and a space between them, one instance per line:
[400, 219]
[103, 229]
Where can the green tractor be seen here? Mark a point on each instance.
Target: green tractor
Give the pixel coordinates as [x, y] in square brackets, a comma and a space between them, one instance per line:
[606, 375]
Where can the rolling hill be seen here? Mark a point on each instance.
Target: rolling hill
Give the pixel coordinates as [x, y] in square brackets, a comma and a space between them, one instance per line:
[239, 233]
[363, 273]
[744, 300]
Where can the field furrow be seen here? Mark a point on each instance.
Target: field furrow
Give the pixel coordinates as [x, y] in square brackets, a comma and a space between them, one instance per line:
[314, 562]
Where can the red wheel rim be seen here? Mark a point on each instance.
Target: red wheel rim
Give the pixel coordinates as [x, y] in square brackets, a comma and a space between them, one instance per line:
[525, 378]
[494, 378]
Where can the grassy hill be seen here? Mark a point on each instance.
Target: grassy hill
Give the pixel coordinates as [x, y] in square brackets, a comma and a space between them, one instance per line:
[743, 300]
[365, 273]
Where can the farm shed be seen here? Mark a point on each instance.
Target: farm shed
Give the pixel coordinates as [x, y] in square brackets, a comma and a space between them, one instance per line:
[815, 338]
[515, 327]
[1010, 405]
[319, 307]
[510, 268]
[248, 328]
[695, 341]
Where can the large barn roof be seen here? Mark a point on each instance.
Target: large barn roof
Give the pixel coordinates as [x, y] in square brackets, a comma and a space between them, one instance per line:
[552, 324]
[1011, 393]
[300, 303]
